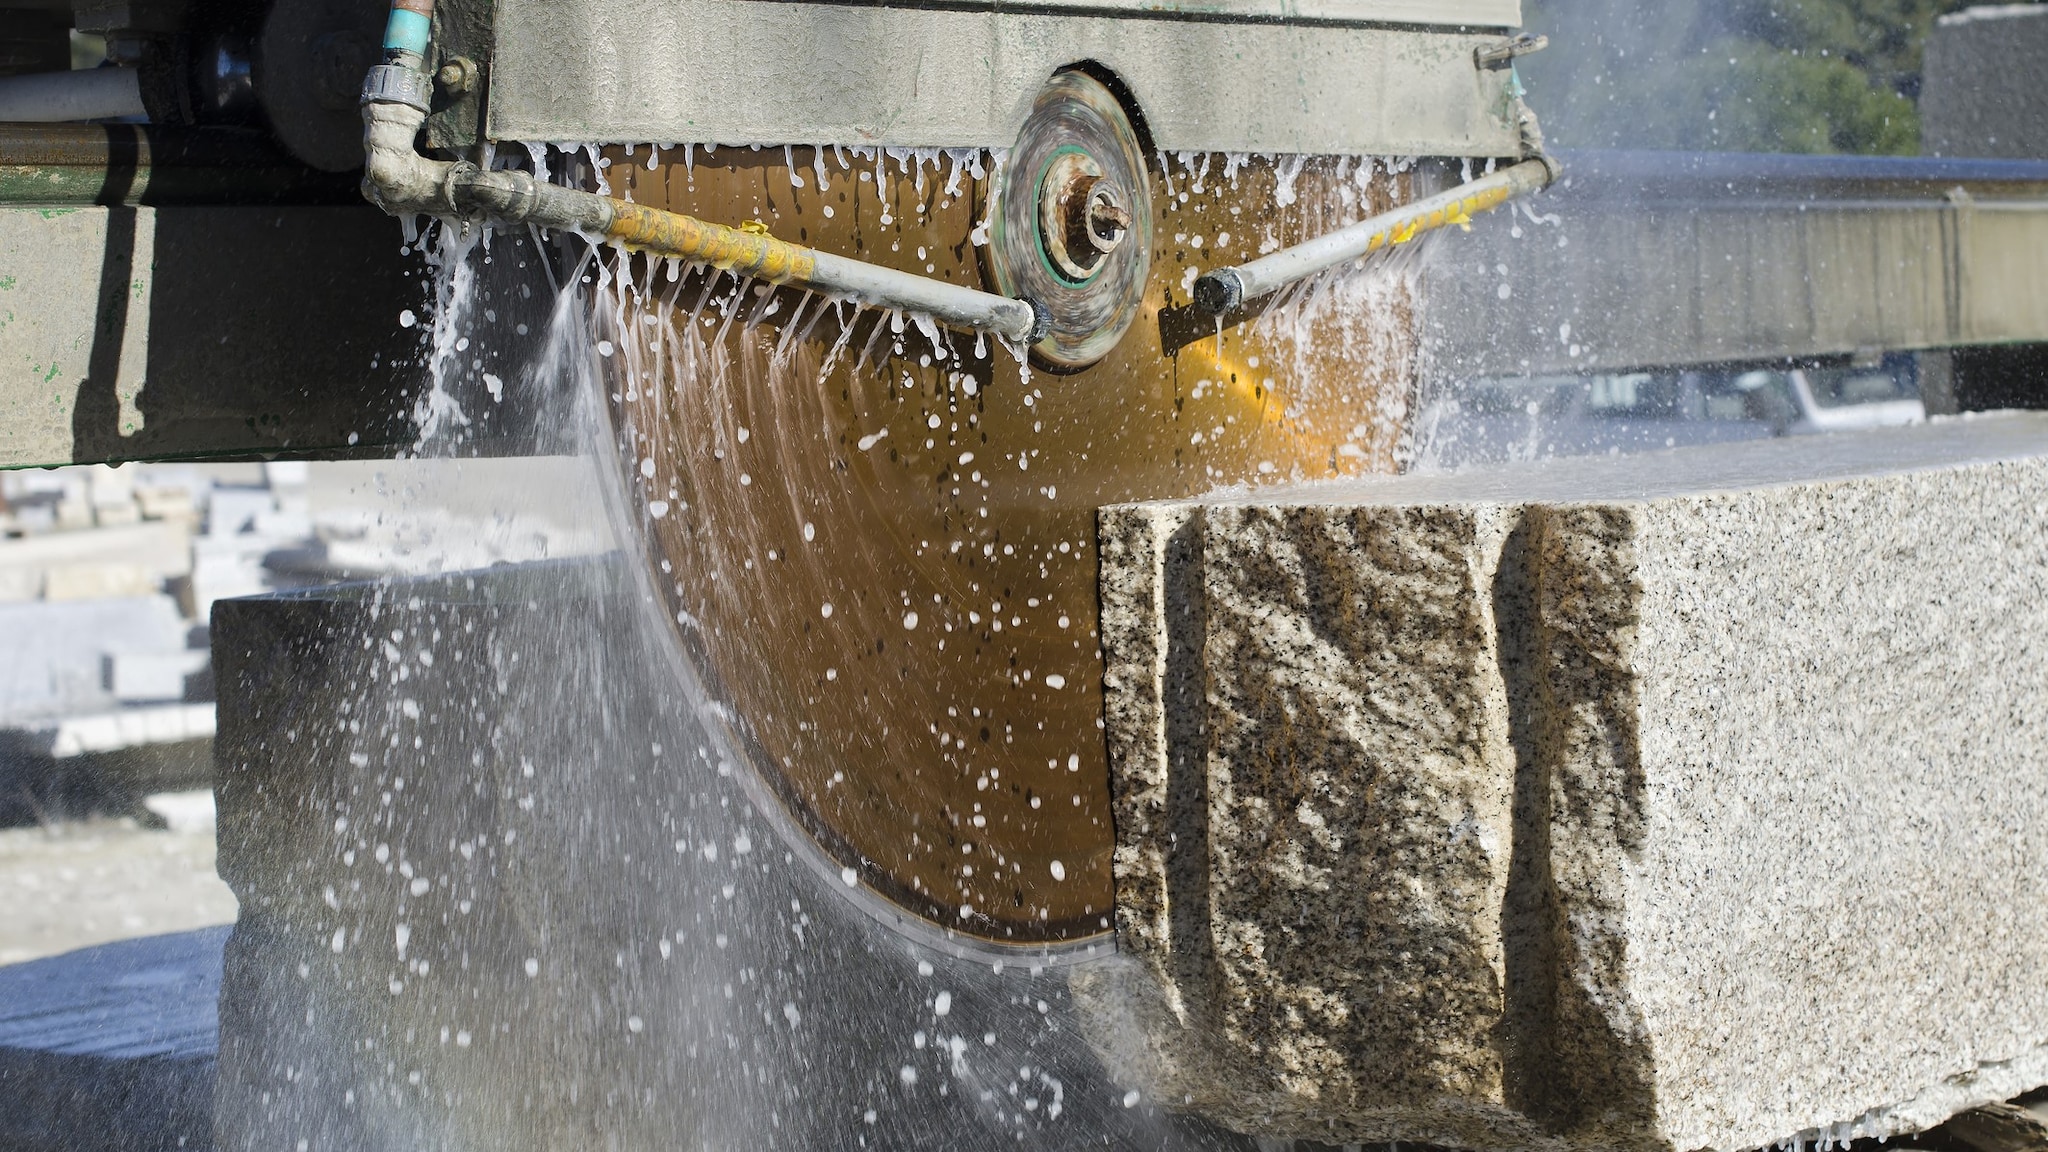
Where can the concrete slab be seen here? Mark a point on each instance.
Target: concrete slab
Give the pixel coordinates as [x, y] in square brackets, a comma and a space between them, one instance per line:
[1684, 800]
[1649, 259]
[176, 332]
[56, 651]
[1364, 80]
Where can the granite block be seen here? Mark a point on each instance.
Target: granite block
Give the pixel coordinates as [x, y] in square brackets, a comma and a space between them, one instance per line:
[1681, 801]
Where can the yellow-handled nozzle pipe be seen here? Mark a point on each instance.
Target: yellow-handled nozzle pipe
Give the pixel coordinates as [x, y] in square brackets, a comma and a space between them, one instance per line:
[403, 182]
[651, 230]
[645, 229]
[1226, 289]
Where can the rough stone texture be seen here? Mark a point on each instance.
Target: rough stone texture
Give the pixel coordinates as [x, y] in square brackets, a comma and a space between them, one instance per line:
[1681, 801]
[1324, 661]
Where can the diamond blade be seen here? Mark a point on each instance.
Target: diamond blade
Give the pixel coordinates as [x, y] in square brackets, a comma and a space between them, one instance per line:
[877, 540]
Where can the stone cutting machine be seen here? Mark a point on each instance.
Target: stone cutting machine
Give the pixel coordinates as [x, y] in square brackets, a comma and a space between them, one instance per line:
[890, 299]
[992, 269]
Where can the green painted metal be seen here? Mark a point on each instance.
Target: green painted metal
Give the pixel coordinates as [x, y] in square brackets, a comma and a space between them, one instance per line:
[108, 164]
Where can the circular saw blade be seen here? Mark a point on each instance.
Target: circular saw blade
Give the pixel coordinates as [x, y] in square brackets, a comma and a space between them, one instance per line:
[878, 543]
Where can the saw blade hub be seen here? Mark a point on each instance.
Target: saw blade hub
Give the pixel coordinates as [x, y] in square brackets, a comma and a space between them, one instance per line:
[1072, 224]
[1082, 218]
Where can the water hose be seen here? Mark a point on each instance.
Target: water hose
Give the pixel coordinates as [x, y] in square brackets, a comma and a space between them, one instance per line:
[1226, 289]
[402, 182]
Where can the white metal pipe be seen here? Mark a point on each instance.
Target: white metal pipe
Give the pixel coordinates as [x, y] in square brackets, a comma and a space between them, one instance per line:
[950, 304]
[60, 97]
[1226, 289]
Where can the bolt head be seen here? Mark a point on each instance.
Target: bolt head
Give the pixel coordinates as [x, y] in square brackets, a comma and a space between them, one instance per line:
[1082, 216]
[458, 75]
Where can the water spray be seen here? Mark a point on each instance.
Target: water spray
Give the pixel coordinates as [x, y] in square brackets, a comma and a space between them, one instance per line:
[396, 101]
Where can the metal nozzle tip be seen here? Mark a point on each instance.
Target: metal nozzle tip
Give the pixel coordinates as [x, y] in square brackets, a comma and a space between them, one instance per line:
[1219, 292]
[1041, 322]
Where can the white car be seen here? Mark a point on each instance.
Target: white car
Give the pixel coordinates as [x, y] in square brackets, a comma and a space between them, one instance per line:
[1496, 419]
[1837, 399]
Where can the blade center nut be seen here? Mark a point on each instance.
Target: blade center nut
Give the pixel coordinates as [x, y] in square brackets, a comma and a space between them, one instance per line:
[1082, 218]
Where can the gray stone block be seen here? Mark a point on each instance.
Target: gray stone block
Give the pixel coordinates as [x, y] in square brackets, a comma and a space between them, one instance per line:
[1685, 801]
[112, 1049]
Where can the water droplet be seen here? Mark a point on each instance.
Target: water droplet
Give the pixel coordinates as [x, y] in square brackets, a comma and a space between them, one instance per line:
[1059, 870]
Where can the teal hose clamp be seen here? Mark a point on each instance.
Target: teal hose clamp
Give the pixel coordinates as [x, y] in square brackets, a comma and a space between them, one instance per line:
[408, 31]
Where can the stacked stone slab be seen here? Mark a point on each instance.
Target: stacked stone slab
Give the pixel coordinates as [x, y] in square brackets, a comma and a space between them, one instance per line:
[1683, 801]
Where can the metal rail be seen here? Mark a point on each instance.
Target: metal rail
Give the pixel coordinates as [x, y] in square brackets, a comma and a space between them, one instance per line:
[81, 94]
[71, 165]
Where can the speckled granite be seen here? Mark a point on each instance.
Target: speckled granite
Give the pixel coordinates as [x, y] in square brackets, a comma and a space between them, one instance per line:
[1683, 801]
